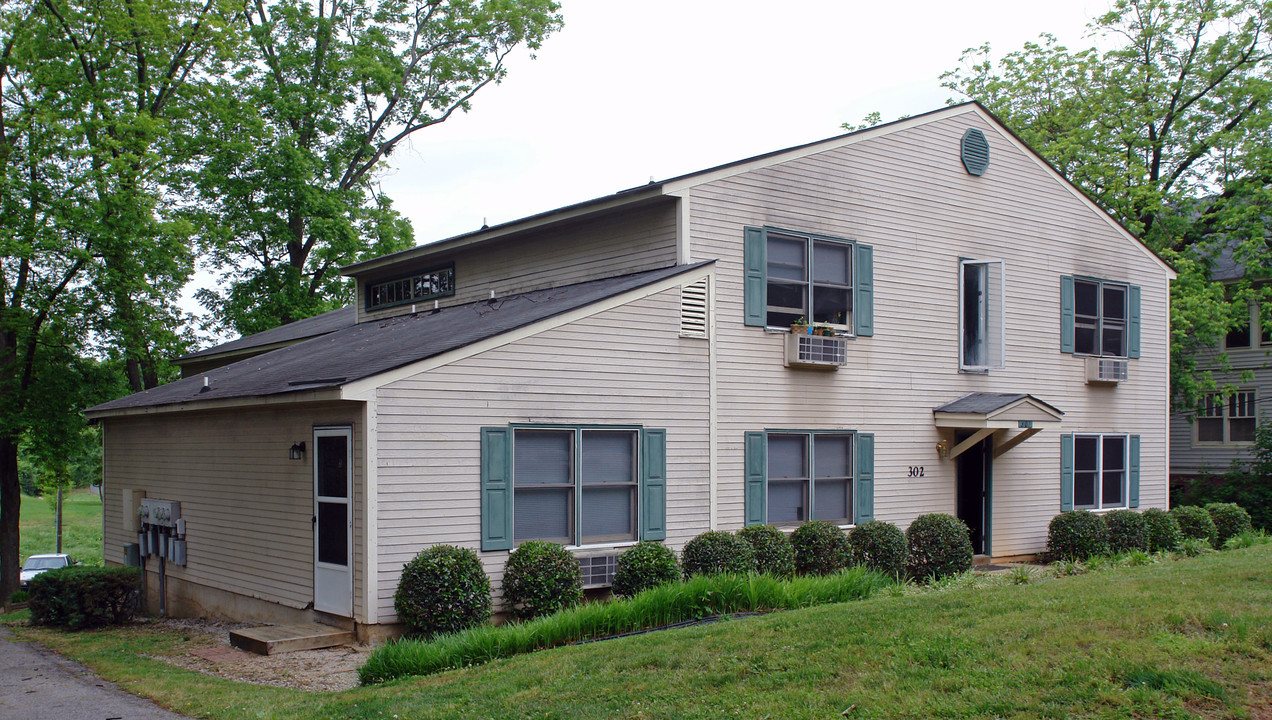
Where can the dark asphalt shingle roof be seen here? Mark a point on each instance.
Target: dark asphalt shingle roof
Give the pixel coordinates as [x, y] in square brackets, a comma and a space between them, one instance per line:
[378, 346]
[985, 402]
[291, 332]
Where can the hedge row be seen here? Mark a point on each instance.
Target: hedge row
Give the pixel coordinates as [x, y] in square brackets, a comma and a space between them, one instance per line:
[1082, 534]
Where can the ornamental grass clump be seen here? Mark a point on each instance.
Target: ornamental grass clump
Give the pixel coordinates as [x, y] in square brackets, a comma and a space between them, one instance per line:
[1127, 531]
[443, 589]
[1230, 520]
[645, 565]
[1077, 535]
[774, 554]
[1196, 523]
[716, 551]
[541, 578]
[820, 548]
[940, 546]
[879, 546]
[1163, 530]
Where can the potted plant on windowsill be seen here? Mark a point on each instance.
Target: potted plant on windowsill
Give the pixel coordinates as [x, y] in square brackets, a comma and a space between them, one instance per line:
[824, 330]
[799, 327]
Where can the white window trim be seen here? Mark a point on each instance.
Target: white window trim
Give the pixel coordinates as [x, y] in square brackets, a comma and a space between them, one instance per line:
[1002, 304]
[1100, 507]
[849, 330]
[812, 476]
[1227, 427]
[1099, 318]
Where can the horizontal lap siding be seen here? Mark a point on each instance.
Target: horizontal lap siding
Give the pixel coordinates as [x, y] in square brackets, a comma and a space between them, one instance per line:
[908, 196]
[1187, 456]
[248, 508]
[626, 242]
[624, 366]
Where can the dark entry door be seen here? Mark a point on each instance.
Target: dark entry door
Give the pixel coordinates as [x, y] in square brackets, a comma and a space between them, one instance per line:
[974, 472]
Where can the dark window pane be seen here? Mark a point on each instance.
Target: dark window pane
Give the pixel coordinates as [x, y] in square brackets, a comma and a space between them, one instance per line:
[1241, 430]
[1114, 302]
[333, 465]
[333, 533]
[832, 264]
[608, 514]
[787, 501]
[543, 514]
[833, 501]
[1114, 341]
[1086, 298]
[832, 456]
[1084, 489]
[542, 457]
[1210, 430]
[1085, 452]
[787, 457]
[1237, 338]
[1113, 489]
[609, 457]
[975, 314]
[787, 258]
[831, 305]
[1084, 339]
[1114, 453]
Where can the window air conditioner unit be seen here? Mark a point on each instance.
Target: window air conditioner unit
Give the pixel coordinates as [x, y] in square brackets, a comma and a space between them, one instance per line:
[598, 570]
[816, 352]
[1105, 371]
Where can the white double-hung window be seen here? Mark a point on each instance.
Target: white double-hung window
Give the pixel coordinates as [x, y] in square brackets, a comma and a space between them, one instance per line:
[982, 336]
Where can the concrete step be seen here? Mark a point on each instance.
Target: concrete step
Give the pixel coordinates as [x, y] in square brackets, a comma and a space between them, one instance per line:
[274, 639]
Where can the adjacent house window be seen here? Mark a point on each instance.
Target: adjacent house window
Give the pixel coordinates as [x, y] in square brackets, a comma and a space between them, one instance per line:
[572, 485]
[1238, 338]
[1227, 421]
[1099, 318]
[791, 276]
[795, 476]
[981, 297]
[427, 285]
[1099, 471]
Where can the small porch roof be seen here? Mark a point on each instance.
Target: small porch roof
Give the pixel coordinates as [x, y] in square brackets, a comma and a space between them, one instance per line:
[980, 410]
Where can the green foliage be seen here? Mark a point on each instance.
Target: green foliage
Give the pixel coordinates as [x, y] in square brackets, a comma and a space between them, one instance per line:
[820, 548]
[1138, 558]
[1021, 575]
[716, 551]
[1196, 523]
[1127, 531]
[1242, 541]
[1163, 530]
[773, 551]
[1077, 535]
[443, 589]
[1193, 546]
[940, 545]
[1248, 484]
[541, 578]
[700, 597]
[1230, 520]
[645, 565]
[19, 596]
[879, 546]
[79, 598]
[1165, 125]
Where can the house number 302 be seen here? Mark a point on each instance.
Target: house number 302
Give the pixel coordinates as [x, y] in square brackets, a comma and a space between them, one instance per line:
[916, 471]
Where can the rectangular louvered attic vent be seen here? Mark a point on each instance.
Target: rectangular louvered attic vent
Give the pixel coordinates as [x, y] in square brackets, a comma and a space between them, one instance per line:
[693, 309]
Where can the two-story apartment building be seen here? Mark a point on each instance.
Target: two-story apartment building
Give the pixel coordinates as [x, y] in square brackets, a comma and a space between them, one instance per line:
[994, 346]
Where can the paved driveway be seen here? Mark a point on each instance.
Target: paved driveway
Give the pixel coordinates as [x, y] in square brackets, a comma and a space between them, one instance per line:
[37, 684]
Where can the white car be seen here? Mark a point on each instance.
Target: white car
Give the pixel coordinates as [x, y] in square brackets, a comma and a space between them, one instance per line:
[37, 564]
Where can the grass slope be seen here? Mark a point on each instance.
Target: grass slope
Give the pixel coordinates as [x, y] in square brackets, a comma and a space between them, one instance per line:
[1182, 639]
[81, 531]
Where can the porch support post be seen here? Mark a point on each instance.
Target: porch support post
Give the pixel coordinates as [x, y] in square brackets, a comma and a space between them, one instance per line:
[976, 437]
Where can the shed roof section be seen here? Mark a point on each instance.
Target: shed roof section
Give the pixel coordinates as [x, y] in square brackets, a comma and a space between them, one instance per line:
[283, 334]
[374, 347]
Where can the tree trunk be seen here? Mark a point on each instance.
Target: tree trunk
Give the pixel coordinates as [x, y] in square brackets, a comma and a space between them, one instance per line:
[10, 506]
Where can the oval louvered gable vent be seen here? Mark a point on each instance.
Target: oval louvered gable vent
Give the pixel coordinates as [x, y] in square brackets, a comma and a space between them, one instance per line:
[975, 151]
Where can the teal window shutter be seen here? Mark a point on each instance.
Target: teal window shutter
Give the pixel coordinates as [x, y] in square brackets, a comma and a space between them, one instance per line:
[1134, 472]
[865, 478]
[754, 284]
[863, 302]
[756, 498]
[496, 489]
[1133, 322]
[653, 485]
[1066, 473]
[1066, 314]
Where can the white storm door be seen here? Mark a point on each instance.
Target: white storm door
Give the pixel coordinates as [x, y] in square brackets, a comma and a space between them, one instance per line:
[333, 521]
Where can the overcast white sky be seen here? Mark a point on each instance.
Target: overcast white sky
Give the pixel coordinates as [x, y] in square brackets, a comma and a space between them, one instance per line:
[656, 88]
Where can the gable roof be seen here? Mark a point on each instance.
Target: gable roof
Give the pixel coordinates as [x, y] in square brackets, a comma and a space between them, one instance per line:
[378, 346]
[676, 186]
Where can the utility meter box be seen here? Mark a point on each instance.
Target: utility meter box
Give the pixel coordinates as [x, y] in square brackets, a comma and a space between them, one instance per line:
[163, 513]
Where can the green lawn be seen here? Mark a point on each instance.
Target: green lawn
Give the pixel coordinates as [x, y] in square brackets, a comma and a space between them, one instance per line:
[81, 532]
[1177, 639]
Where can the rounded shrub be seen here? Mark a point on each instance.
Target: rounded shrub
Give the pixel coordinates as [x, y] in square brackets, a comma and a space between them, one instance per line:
[774, 554]
[879, 546]
[1127, 531]
[1196, 523]
[443, 589]
[940, 545]
[1230, 520]
[541, 578]
[1163, 530]
[645, 565]
[1077, 535]
[716, 551]
[820, 548]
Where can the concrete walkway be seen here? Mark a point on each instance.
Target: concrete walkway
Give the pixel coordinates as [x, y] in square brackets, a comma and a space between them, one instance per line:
[38, 684]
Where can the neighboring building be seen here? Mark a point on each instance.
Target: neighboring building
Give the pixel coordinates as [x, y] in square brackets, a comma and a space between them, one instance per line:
[623, 369]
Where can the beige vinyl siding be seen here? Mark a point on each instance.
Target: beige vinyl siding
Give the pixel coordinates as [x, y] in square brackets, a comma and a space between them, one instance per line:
[907, 195]
[642, 238]
[623, 366]
[248, 507]
[1187, 456]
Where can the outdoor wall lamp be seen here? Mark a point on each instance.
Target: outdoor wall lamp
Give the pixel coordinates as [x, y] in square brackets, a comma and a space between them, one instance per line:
[297, 451]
